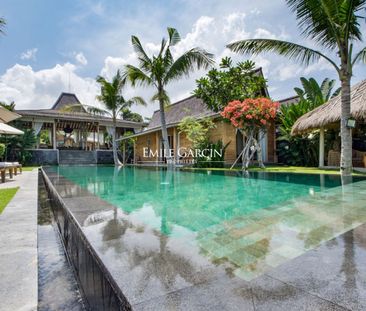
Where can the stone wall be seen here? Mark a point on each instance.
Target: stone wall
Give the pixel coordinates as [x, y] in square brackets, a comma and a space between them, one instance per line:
[44, 157]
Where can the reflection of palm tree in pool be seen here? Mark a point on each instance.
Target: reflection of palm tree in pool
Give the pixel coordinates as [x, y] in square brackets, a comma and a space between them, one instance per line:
[162, 264]
[348, 265]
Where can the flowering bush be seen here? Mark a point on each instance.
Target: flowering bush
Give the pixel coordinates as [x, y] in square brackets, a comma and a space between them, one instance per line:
[250, 113]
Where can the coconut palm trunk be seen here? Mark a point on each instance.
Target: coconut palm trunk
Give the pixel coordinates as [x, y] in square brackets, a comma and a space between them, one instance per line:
[164, 134]
[117, 162]
[346, 133]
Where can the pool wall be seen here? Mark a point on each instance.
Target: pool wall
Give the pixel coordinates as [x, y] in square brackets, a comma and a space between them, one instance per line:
[99, 289]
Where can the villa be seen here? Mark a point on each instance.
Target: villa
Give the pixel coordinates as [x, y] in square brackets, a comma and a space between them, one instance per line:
[149, 140]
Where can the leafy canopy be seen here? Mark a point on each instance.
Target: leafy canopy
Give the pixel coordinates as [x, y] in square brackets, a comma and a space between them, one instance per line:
[221, 86]
[112, 98]
[196, 130]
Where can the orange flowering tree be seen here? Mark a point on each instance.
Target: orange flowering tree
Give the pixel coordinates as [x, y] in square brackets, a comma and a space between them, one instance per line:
[251, 117]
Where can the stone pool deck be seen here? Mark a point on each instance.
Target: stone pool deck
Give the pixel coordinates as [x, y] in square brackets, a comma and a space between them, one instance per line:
[18, 245]
[308, 257]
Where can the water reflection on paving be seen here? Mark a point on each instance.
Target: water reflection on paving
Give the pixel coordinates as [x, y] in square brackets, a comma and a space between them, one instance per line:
[269, 237]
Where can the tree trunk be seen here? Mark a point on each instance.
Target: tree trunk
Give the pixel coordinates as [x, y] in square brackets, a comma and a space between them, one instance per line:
[114, 144]
[164, 133]
[346, 133]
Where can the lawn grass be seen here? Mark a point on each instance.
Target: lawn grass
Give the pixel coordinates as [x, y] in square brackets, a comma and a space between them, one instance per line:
[282, 169]
[29, 168]
[5, 196]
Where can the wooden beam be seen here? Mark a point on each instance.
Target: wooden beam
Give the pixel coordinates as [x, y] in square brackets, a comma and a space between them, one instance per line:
[321, 147]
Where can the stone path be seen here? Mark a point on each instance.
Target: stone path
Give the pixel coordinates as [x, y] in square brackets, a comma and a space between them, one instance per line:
[18, 246]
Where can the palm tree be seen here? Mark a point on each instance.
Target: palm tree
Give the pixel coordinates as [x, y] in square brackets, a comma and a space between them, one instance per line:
[159, 70]
[114, 103]
[2, 25]
[334, 25]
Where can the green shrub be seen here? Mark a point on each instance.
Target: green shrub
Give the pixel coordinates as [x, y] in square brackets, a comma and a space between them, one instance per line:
[217, 158]
[2, 150]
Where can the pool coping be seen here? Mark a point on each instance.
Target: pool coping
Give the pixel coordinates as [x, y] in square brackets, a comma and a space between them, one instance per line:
[123, 302]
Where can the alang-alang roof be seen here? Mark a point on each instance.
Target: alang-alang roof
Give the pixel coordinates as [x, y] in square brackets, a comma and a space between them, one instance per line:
[68, 99]
[330, 112]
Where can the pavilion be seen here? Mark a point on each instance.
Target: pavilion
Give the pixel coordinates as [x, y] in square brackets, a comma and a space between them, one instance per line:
[72, 129]
[327, 117]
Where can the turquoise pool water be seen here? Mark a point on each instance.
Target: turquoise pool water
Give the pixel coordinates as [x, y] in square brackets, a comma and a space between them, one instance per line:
[193, 200]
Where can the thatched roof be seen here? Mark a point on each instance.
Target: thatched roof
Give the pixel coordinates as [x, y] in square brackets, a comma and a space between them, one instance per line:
[67, 99]
[330, 112]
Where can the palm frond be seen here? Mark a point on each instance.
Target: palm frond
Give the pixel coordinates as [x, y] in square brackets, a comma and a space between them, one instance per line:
[302, 54]
[136, 76]
[137, 100]
[139, 50]
[97, 111]
[329, 22]
[162, 96]
[360, 57]
[174, 36]
[184, 64]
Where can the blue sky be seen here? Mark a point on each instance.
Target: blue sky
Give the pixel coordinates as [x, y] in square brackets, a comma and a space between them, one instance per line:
[55, 46]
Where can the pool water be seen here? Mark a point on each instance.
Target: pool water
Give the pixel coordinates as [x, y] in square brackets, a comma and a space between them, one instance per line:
[253, 222]
[195, 200]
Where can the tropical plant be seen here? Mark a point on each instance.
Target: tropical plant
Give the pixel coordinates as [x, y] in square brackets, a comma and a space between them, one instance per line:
[128, 115]
[302, 149]
[10, 107]
[2, 150]
[299, 150]
[195, 130]
[316, 94]
[251, 117]
[216, 157]
[160, 70]
[114, 103]
[230, 83]
[16, 146]
[334, 25]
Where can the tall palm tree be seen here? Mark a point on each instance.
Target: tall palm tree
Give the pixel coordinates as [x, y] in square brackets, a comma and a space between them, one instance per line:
[334, 25]
[114, 103]
[159, 70]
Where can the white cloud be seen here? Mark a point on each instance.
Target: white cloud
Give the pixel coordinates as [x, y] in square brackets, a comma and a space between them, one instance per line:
[29, 54]
[81, 59]
[32, 89]
[288, 71]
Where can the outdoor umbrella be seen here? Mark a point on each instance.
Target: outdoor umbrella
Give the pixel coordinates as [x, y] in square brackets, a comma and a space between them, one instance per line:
[7, 115]
[9, 130]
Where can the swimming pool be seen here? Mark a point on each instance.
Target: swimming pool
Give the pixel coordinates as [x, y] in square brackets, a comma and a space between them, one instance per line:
[251, 223]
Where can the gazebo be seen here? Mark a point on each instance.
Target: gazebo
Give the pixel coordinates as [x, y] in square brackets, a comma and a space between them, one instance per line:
[328, 116]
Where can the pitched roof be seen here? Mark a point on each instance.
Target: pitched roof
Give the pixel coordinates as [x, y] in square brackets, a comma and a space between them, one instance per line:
[289, 100]
[191, 106]
[67, 99]
[76, 116]
[330, 112]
